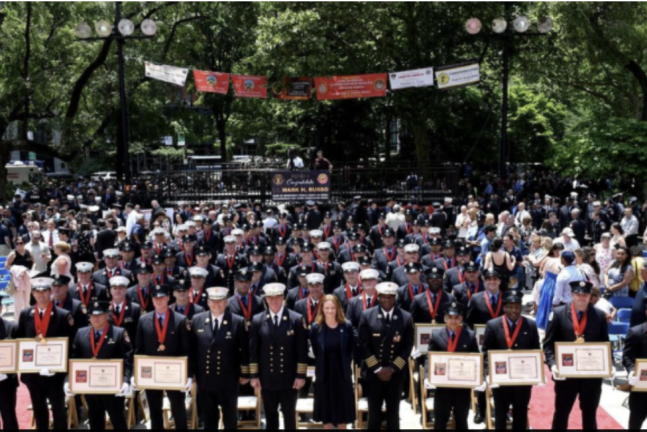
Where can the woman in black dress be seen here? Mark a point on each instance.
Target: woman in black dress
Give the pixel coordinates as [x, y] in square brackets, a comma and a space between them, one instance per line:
[333, 344]
[19, 256]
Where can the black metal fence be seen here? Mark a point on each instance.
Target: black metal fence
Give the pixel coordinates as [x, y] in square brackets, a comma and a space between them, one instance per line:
[253, 183]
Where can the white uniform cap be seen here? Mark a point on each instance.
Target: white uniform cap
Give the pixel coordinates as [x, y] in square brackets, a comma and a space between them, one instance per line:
[97, 200]
[120, 281]
[121, 229]
[316, 233]
[159, 231]
[434, 231]
[230, 239]
[70, 197]
[79, 197]
[274, 290]
[324, 246]
[350, 266]
[217, 293]
[84, 267]
[597, 203]
[569, 232]
[119, 193]
[387, 288]
[197, 218]
[449, 200]
[94, 209]
[41, 283]
[198, 271]
[190, 224]
[315, 278]
[411, 248]
[573, 194]
[237, 232]
[369, 274]
[182, 227]
[111, 253]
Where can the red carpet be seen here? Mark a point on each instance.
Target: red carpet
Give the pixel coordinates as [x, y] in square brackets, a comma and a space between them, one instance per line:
[542, 407]
[24, 416]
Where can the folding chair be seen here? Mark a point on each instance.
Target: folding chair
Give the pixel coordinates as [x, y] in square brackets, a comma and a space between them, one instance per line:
[624, 316]
[414, 379]
[622, 302]
[307, 405]
[250, 403]
[361, 403]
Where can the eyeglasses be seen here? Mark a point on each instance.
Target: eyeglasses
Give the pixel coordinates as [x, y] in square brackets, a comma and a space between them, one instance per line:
[20, 244]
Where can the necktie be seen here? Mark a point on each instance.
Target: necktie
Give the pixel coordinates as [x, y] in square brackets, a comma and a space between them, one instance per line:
[433, 299]
[368, 301]
[453, 337]
[253, 290]
[97, 336]
[215, 326]
[493, 300]
[51, 239]
[276, 321]
[117, 310]
[41, 314]
[579, 316]
[58, 304]
[161, 320]
[181, 310]
[85, 290]
[388, 319]
[245, 300]
[513, 327]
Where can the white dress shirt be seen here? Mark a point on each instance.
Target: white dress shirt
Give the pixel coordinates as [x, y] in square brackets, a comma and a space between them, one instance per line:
[563, 288]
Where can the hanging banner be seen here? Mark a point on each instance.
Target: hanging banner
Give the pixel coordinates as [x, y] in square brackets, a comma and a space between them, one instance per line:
[248, 86]
[458, 75]
[413, 78]
[294, 186]
[211, 82]
[169, 74]
[294, 89]
[351, 86]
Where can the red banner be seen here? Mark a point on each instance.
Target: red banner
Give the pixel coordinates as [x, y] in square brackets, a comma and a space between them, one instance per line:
[293, 89]
[248, 86]
[211, 82]
[351, 86]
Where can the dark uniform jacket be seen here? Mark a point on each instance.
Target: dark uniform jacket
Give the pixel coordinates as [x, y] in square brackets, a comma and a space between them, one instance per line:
[560, 329]
[381, 260]
[453, 277]
[130, 323]
[333, 276]
[116, 346]
[494, 338]
[340, 293]
[357, 306]
[293, 280]
[98, 291]
[635, 347]
[229, 273]
[78, 311]
[9, 330]
[61, 325]
[420, 307]
[234, 306]
[278, 356]
[478, 312]
[460, 291]
[219, 360]
[383, 346]
[102, 277]
[190, 310]
[133, 296]
[404, 295]
[295, 295]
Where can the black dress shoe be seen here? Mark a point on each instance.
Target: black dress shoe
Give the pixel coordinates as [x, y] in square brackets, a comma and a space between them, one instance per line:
[478, 419]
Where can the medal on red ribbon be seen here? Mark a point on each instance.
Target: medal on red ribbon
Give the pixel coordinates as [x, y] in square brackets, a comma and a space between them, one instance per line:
[97, 348]
[489, 306]
[433, 309]
[161, 333]
[506, 329]
[451, 346]
[42, 325]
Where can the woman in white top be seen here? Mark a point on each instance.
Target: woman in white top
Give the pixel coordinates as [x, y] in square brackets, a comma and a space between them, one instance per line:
[588, 266]
[463, 222]
[620, 274]
[604, 253]
[603, 305]
[618, 238]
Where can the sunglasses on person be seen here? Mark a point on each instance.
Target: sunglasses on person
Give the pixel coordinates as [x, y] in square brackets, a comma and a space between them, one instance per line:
[20, 244]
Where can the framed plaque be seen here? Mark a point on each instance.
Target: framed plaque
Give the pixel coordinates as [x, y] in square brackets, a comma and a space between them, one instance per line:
[161, 373]
[423, 336]
[640, 372]
[455, 370]
[516, 368]
[33, 356]
[479, 333]
[8, 356]
[584, 360]
[96, 376]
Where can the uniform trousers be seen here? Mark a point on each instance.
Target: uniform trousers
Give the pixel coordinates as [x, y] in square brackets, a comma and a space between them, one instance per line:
[446, 400]
[637, 410]
[8, 392]
[178, 408]
[99, 405]
[44, 389]
[287, 400]
[227, 400]
[519, 398]
[589, 391]
[378, 392]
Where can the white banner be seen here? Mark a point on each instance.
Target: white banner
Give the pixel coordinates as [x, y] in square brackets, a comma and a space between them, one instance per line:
[458, 75]
[413, 78]
[169, 74]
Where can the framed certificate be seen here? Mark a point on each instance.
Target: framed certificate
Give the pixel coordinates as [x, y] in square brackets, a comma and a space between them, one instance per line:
[423, 336]
[455, 370]
[640, 372]
[479, 333]
[518, 368]
[8, 356]
[583, 360]
[161, 373]
[96, 376]
[33, 356]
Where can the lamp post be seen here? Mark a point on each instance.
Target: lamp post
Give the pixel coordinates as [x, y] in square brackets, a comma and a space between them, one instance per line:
[507, 34]
[120, 32]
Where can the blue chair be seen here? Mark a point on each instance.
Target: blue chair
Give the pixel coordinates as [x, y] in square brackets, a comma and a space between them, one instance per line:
[645, 254]
[624, 316]
[617, 333]
[622, 302]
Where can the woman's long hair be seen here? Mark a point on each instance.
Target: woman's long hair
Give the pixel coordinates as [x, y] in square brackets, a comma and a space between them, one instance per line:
[321, 318]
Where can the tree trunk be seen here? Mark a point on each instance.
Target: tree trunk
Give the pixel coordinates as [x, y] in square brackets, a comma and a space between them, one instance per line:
[5, 155]
[221, 125]
[421, 139]
[641, 77]
[387, 140]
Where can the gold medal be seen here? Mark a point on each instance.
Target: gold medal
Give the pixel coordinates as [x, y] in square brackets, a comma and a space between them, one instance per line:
[39, 338]
[43, 341]
[433, 322]
[161, 348]
[579, 340]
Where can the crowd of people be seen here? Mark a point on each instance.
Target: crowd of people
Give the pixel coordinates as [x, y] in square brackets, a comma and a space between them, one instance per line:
[255, 294]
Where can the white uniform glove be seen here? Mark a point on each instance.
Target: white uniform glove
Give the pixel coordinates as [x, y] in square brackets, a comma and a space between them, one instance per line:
[555, 373]
[493, 386]
[66, 389]
[415, 354]
[429, 386]
[133, 387]
[189, 384]
[125, 390]
[482, 388]
[3, 377]
[45, 372]
[633, 379]
[311, 353]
